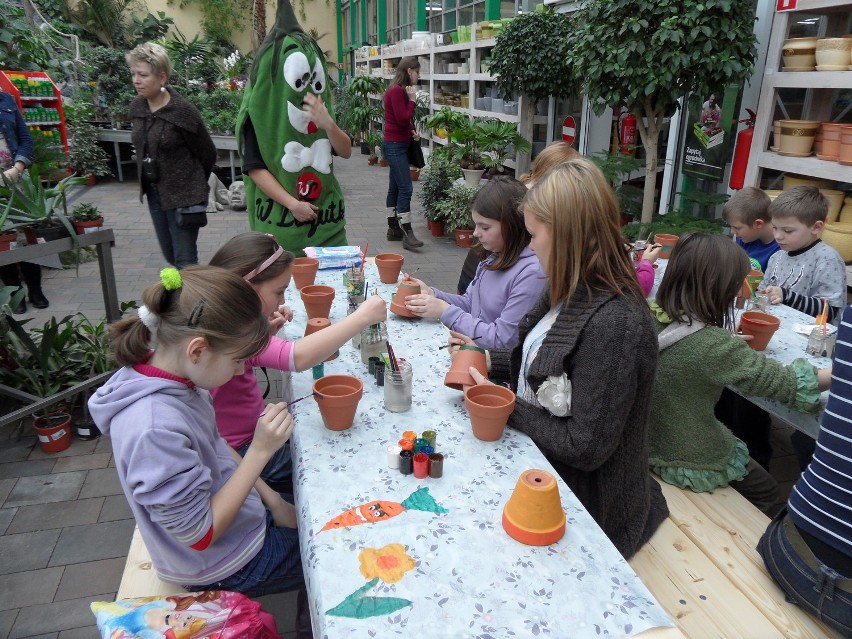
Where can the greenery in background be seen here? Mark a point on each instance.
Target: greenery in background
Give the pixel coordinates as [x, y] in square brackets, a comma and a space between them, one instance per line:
[616, 168]
[374, 141]
[221, 17]
[21, 46]
[435, 180]
[85, 155]
[454, 207]
[530, 56]
[673, 224]
[29, 202]
[707, 203]
[487, 142]
[361, 115]
[86, 212]
[108, 68]
[218, 109]
[647, 54]
[448, 121]
[104, 19]
[152, 27]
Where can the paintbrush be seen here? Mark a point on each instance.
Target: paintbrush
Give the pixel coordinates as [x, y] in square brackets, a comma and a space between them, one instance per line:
[448, 345]
[317, 395]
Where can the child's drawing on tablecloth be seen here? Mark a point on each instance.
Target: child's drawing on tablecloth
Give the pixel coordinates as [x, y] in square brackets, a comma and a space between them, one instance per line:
[380, 510]
[388, 564]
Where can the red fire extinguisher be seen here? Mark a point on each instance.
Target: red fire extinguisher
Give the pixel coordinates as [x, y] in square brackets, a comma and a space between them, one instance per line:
[627, 133]
[740, 164]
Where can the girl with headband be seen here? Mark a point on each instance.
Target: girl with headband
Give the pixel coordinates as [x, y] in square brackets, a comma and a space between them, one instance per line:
[205, 517]
[267, 267]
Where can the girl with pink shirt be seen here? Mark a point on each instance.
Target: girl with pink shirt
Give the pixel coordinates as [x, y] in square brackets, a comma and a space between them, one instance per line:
[267, 268]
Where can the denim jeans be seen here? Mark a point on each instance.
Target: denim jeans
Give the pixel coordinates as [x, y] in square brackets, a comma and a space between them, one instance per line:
[805, 580]
[279, 469]
[179, 246]
[400, 186]
[276, 568]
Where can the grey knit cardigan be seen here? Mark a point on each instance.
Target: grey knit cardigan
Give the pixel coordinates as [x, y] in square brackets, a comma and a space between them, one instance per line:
[608, 348]
[178, 139]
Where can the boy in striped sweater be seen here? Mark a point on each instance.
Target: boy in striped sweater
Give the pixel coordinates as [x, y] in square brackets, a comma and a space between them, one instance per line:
[808, 548]
[806, 270]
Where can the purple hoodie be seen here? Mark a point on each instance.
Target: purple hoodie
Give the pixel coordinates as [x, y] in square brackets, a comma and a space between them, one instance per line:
[171, 461]
[495, 302]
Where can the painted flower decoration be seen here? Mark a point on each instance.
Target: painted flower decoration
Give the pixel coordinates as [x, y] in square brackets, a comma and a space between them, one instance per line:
[388, 564]
[554, 394]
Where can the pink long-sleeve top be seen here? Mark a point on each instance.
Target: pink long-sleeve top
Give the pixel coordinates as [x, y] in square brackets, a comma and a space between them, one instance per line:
[399, 110]
[239, 403]
[645, 275]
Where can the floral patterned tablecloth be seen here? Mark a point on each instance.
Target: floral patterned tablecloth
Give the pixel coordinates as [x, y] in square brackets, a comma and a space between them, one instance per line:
[426, 572]
[785, 346]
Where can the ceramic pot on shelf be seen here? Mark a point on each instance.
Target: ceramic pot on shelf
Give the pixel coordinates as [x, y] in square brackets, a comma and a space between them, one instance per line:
[846, 211]
[534, 515]
[792, 180]
[832, 54]
[830, 141]
[406, 287]
[835, 203]
[489, 407]
[389, 265]
[839, 237]
[459, 374]
[761, 326]
[776, 135]
[304, 271]
[799, 54]
[337, 397]
[317, 299]
[797, 137]
[845, 154]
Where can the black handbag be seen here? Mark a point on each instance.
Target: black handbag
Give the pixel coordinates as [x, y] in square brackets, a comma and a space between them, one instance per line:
[191, 217]
[415, 154]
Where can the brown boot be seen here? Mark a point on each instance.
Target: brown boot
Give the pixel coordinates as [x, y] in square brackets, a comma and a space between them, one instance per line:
[395, 233]
[409, 241]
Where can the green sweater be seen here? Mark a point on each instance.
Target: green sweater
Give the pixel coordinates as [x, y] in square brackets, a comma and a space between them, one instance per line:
[689, 447]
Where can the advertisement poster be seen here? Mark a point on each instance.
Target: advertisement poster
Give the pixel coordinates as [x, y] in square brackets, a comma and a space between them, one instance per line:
[708, 135]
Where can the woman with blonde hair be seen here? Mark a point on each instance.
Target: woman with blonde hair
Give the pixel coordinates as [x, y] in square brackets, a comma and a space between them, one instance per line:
[584, 368]
[550, 156]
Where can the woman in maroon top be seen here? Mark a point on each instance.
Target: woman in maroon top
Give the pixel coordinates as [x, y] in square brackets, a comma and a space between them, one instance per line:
[398, 133]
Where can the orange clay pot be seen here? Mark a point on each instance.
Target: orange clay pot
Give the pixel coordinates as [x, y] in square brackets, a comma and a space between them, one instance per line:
[317, 324]
[405, 288]
[317, 299]
[533, 515]
[389, 265]
[667, 241]
[489, 407]
[459, 374]
[54, 431]
[305, 271]
[761, 326]
[337, 397]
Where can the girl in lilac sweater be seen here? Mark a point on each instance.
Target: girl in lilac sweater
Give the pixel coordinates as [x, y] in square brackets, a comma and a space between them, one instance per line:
[508, 280]
[258, 259]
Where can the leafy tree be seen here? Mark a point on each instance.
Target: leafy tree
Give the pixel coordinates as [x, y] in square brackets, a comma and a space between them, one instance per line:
[21, 46]
[647, 54]
[153, 27]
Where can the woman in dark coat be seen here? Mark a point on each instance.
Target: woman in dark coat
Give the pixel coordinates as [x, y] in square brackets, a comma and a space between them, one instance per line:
[174, 152]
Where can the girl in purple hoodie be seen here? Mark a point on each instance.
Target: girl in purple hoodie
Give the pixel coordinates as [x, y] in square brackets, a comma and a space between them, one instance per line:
[508, 279]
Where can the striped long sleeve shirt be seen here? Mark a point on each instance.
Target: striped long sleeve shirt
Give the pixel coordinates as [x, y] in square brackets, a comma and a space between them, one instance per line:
[821, 501]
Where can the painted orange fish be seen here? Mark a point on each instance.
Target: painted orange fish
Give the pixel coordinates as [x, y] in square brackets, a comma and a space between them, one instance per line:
[381, 510]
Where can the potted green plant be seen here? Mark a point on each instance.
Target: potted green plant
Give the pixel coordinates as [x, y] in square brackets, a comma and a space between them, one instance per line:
[362, 113]
[445, 122]
[86, 218]
[496, 137]
[374, 141]
[438, 177]
[455, 209]
[41, 210]
[85, 155]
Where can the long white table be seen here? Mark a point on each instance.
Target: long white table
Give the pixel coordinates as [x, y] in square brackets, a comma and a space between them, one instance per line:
[467, 577]
[785, 346]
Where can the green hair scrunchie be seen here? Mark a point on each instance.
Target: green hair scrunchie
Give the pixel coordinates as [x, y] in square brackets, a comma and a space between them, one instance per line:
[170, 277]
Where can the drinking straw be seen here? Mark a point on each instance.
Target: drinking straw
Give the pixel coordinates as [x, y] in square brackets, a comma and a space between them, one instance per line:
[394, 363]
[364, 257]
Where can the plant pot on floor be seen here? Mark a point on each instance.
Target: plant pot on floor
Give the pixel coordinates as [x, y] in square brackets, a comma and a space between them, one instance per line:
[383, 162]
[464, 237]
[415, 174]
[365, 148]
[54, 431]
[437, 228]
[372, 161]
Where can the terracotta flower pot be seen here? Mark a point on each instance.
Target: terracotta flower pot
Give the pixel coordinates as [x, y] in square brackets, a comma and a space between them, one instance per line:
[405, 288]
[337, 397]
[317, 299]
[489, 407]
[533, 515]
[87, 226]
[317, 324]
[437, 229]
[761, 326]
[389, 265]
[464, 237]
[830, 143]
[459, 374]
[667, 241]
[305, 271]
[415, 174]
[383, 162]
[6, 240]
[845, 154]
[54, 431]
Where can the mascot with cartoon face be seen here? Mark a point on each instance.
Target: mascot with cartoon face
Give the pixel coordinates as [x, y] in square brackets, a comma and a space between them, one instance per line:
[287, 136]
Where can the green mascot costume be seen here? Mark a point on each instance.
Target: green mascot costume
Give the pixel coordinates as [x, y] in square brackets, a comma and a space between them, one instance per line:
[287, 66]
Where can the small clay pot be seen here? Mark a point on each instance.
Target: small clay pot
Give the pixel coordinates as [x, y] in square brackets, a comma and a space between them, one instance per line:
[489, 407]
[845, 154]
[667, 242]
[317, 299]
[337, 397]
[405, 288]
[761, 326]
[317, 324]
[533, 515]
[389, 265]
[54, 431]
[459, 374]
[305, 271]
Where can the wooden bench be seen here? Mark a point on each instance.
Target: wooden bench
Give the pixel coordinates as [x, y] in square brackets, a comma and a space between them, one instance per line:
[139, 578]
[703, 567]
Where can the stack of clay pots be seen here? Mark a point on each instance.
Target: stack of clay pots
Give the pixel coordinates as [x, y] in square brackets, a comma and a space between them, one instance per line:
[833, 142]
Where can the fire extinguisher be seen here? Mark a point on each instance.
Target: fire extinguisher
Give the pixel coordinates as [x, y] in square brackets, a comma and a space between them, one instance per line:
[740, 163]
[627, 133]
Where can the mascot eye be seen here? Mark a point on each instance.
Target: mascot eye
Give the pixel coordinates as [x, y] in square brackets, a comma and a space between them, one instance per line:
[297, 71]
[318, 77]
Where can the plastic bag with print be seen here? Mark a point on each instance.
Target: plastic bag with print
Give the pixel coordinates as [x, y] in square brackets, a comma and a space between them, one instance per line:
[212, 614]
